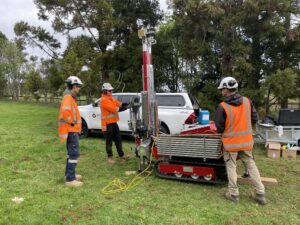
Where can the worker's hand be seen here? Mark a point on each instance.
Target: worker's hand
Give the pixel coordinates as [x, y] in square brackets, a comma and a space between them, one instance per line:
[125, 105]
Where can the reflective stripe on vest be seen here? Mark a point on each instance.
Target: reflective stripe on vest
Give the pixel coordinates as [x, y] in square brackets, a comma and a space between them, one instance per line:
[63, 136]
[238, 133]
[65, 122]
[111, 115]
[67, 108]
[249, 144]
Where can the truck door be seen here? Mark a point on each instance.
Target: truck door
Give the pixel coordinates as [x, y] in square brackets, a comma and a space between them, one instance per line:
[95, 116]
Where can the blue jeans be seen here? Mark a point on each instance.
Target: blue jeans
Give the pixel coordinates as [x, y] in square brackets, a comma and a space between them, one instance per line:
[73, 155]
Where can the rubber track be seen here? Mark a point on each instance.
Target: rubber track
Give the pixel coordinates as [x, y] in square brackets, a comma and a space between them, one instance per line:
[188, 179]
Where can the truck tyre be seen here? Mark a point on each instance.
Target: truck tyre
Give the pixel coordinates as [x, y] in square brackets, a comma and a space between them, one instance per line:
[84, 130]
[163, 129]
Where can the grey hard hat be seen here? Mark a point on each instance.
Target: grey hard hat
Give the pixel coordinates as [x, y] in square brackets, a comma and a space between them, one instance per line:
[74, 80]
[107, 87]
[229, 83]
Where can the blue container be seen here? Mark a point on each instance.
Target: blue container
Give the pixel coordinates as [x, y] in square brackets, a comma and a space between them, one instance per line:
[204, 117]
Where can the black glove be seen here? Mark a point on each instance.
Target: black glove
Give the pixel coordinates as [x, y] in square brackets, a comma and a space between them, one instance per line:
[73, 123]
[125, 105]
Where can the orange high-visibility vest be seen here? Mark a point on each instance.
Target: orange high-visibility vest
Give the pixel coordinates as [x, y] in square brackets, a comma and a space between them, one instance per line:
[237, 135]
[68, 113]
[109, 108]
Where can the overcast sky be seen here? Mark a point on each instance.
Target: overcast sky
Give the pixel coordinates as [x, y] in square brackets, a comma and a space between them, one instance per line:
[12, 11]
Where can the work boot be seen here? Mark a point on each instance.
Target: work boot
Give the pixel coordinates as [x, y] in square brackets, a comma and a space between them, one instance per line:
[259, 198]
[233, 198]
[110, 160]
[78, 177]
[124, 158]
[74, 183]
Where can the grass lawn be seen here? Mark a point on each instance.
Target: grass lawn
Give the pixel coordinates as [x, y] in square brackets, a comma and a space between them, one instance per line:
[32, 164]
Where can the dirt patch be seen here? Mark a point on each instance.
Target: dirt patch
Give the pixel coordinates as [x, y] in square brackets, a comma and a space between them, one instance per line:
[67, 215]
[297, 173]
[48, 141]
[3, 160]
[25, 158]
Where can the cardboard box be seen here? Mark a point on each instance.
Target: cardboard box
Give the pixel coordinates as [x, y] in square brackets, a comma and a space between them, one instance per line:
[290, 153]
[274, 150]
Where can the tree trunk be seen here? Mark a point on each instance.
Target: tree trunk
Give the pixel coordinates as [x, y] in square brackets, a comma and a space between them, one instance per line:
[104, 75]
[267, 105]
[284, 104]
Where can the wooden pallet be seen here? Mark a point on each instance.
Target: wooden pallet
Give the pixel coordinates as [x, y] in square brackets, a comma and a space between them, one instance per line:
[267, 181]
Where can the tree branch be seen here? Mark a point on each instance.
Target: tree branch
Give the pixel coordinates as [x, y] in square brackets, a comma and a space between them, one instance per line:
[87, 27]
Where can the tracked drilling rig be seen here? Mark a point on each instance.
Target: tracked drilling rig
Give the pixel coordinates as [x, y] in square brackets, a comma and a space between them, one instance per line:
[194, 155]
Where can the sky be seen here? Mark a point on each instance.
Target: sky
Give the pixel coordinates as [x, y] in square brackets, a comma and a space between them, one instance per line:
[13, 11]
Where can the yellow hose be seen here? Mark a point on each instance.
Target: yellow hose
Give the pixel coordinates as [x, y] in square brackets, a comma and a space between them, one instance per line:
[117, 185]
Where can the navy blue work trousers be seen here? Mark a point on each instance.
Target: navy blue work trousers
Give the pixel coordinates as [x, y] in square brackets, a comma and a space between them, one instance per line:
[72, 155]
[113, 134]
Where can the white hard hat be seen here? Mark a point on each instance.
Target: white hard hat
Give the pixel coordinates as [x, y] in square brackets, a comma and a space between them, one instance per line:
[107, 87]
[73, 80]
[229, 83]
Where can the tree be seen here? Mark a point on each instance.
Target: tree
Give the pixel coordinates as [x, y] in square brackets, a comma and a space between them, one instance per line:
[166, 60]
[36, 36]
[81, 60]
[2, 74]
[3, 37]
[33, 83]
[51, 78]
[249, 40]
[11, 62]
[111, 25]
[281, 86]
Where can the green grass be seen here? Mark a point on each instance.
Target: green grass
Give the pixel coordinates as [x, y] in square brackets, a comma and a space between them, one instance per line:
[32, 163]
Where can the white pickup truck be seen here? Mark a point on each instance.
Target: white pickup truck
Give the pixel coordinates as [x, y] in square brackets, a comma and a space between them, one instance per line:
[174, 111]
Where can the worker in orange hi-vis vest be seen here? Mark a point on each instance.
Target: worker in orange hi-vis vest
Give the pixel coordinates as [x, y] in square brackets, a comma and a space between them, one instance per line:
[69, 127]
[234, 118]
[110, 108]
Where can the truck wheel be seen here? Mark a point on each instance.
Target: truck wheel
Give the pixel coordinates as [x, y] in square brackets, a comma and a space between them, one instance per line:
[163, 129]
[84, 130]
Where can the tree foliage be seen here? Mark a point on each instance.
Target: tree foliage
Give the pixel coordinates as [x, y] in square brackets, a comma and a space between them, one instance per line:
[34, 83]
[2, 71]
[281, 86]
[36, 36]
[202, 41]
[250, 40]
[11, 62]
[111, 25]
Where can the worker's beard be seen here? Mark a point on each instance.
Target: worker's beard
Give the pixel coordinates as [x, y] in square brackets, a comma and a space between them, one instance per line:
[74, 93]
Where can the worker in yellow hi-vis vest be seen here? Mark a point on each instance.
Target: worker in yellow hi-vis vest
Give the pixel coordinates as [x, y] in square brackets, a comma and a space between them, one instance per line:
[234, 118]
[69, 127]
